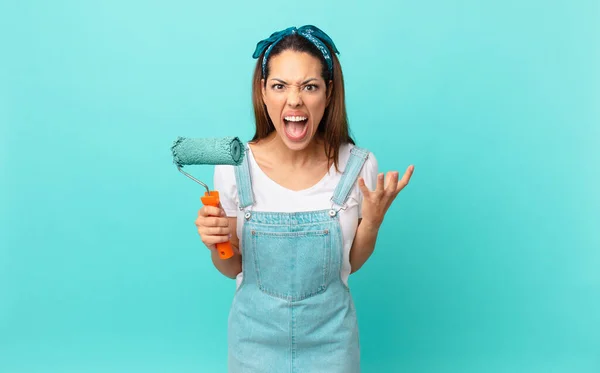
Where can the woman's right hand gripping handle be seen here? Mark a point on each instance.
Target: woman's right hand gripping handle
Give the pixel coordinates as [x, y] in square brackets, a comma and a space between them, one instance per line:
[215, 227]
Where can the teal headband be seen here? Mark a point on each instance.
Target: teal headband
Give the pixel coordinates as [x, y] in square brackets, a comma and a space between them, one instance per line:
[311, 33]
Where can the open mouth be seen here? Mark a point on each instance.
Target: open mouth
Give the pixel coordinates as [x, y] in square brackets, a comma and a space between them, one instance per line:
[296, 127]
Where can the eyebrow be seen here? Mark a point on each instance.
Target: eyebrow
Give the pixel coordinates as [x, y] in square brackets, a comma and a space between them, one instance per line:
[284, 82]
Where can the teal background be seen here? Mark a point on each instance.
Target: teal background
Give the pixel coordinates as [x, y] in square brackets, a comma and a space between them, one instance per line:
[488, 262]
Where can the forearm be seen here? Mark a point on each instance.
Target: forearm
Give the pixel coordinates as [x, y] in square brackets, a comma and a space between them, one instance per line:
[228, 267]
[363, 244]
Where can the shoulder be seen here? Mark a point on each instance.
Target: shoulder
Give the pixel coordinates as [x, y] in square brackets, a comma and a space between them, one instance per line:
[224, 176]
[224, 182]
[347, 149]
[225, 169]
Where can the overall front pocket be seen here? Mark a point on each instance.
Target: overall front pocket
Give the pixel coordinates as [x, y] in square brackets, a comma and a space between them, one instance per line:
[292, 265]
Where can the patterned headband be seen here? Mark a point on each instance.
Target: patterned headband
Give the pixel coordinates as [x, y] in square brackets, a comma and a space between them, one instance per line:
[311, 33]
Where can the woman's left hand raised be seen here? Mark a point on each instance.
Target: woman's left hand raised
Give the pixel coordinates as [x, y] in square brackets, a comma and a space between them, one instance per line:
[376, 203]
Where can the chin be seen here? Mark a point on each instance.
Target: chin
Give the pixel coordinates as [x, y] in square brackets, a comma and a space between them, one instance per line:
[296, 145]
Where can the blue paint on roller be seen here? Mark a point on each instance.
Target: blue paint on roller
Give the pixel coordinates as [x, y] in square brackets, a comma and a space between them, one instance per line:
[207, 151]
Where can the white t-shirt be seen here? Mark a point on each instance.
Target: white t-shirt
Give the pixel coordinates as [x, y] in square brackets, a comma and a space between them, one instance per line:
[272, 197]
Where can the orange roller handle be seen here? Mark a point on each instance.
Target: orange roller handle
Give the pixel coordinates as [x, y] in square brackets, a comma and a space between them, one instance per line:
[212, 199]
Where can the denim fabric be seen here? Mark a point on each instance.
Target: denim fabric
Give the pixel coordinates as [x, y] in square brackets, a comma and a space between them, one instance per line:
[350, 175]
[292, 312]
[244, 182]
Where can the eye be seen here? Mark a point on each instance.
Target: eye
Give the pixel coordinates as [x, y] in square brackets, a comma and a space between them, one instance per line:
[311, 87]
[277, 87]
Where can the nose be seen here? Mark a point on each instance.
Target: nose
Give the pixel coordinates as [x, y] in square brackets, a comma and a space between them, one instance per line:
[294, 97]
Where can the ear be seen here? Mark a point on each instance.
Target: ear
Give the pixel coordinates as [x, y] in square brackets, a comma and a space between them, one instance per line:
[329, 92]
[262, 89]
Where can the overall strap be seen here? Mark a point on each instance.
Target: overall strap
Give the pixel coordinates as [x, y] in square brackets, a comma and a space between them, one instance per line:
[358, 156]
[244, 182]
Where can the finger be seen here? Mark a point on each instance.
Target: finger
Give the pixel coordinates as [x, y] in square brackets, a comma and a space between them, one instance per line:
[211, 211]
[363, 187]
[212, 221]
[392, 181]
[379, 187]
[211, 240]
[216, 231]
[405, 178]
[221, 222]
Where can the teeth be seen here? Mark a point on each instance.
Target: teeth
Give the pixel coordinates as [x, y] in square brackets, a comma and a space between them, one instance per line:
[295, 119]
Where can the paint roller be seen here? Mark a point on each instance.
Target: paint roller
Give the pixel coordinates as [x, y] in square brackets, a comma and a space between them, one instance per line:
[208, 151]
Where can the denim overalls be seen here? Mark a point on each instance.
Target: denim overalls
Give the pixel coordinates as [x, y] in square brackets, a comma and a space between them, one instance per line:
[292, 313]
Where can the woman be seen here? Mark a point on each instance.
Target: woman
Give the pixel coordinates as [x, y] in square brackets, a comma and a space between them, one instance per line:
[303, 212]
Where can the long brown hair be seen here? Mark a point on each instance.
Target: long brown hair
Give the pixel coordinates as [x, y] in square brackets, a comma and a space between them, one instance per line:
[334, 126]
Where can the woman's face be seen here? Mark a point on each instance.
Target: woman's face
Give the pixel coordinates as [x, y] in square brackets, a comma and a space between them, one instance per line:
[296, 97]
